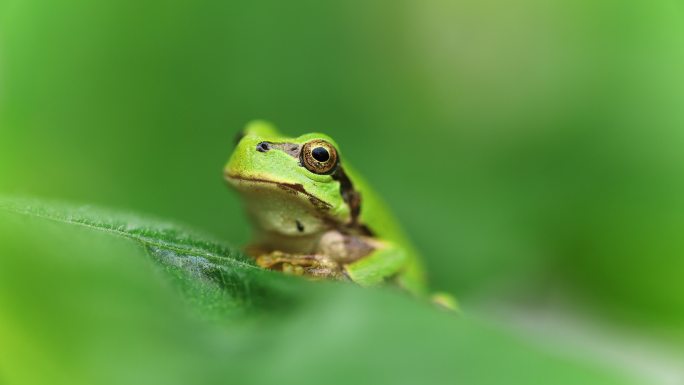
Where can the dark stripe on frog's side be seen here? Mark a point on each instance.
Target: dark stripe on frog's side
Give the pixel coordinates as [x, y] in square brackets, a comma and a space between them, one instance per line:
[349, 194]
[352, 198]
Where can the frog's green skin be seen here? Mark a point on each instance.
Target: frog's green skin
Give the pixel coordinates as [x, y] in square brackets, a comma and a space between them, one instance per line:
[328, 225]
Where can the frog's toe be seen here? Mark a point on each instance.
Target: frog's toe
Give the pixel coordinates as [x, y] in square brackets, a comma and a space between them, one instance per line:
[291, 269]
[445, 301]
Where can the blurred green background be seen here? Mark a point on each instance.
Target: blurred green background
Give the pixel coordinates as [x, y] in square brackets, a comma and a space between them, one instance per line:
[532, 149]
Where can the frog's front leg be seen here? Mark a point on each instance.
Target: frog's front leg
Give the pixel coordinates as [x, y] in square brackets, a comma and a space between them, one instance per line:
[384, 262]
[391, 262]
[313, 265]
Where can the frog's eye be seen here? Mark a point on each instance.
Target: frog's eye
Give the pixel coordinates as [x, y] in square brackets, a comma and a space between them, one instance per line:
[319, 156]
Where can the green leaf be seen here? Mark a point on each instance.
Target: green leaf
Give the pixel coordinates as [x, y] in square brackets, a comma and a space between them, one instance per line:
[92, 297]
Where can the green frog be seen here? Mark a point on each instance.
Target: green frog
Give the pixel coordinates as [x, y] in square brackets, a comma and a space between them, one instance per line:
[315, 216]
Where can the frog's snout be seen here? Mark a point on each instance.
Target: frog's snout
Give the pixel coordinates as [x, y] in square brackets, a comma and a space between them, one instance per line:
[238, 137]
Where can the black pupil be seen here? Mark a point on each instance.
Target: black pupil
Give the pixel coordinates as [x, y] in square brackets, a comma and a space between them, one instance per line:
[320, 154]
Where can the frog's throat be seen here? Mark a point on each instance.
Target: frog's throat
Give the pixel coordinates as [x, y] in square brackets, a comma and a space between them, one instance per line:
[296, 187]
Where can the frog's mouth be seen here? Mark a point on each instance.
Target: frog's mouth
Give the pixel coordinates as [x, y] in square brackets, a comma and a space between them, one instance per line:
[296, 188]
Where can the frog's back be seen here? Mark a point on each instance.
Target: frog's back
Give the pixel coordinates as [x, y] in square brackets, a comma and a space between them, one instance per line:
[381, 222]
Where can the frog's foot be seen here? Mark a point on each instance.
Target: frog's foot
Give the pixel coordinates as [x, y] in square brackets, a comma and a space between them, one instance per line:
[276, 260]
[326, 268]
[309, 265]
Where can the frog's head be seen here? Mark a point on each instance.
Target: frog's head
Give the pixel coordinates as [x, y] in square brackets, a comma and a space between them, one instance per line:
[292, 186]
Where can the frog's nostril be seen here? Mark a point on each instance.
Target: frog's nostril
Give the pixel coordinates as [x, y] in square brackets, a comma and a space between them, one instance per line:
[263, 147]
